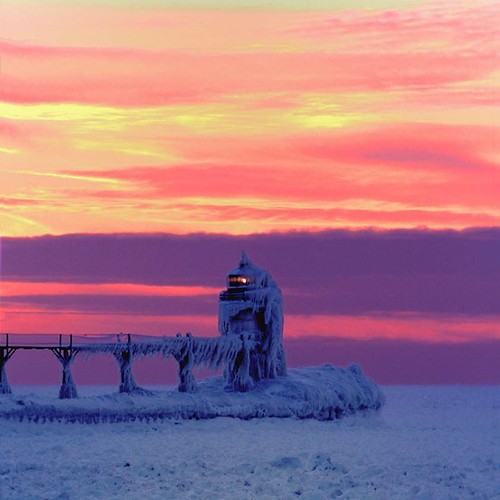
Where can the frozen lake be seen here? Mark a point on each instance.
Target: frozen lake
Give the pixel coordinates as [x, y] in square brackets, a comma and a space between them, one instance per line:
[427, 442]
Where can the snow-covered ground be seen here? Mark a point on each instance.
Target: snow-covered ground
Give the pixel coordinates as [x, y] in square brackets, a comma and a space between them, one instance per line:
[426, 442]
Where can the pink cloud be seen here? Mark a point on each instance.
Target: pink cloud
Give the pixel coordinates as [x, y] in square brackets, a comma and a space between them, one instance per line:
[21, 202]
[425, 162]
[25, 133]
[423, 328]
[24, 288]
[454, 24]
[141, 78]
[21, 319]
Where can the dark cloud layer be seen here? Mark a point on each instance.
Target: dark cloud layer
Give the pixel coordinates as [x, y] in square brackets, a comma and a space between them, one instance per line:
[333, 272]
[124, 304]
[404, 362]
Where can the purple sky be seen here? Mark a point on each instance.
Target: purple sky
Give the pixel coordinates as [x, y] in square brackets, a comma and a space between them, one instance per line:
[409, 306]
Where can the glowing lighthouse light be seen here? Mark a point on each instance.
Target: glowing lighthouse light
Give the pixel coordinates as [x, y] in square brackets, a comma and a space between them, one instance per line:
[235, 280]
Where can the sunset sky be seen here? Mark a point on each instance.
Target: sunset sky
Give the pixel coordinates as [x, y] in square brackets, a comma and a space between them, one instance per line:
[350, 146]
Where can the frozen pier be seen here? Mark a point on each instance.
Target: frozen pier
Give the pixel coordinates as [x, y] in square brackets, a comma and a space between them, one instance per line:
[188, 351]
[249, 348]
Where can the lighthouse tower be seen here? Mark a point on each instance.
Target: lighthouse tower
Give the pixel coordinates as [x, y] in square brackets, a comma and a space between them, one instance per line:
[252, 308]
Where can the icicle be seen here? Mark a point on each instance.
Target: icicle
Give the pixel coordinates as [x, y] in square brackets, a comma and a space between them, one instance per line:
[66, 355]
[4, 383]
[213, 352]
[6, 353]
[68, 388]
[124, 358]
[238, 375]
[185, 358]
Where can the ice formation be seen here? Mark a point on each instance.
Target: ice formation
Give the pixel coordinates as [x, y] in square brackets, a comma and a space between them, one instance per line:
[67, 357]
[5, 354]
[185, 358]
[4, 383]
[127, 381]
[320, 392]
[249, 348]
[188, 351]
[252, 309]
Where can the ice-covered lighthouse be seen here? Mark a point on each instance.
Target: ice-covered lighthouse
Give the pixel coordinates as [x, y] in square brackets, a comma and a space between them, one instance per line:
[252, 309]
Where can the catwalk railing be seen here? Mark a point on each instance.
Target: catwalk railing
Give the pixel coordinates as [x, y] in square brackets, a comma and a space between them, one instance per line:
[231, 352]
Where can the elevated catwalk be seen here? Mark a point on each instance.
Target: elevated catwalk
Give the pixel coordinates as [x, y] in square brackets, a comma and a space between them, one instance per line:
[187, 350]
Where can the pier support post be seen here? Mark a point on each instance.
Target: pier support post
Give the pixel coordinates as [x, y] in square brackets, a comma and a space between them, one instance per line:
[6, 353]
[124, 358]
[66, 355]
[238, 375]
[187, 382]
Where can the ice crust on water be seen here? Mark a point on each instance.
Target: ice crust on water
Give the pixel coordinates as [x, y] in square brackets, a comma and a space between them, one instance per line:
[323, 393]
[429, 442]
